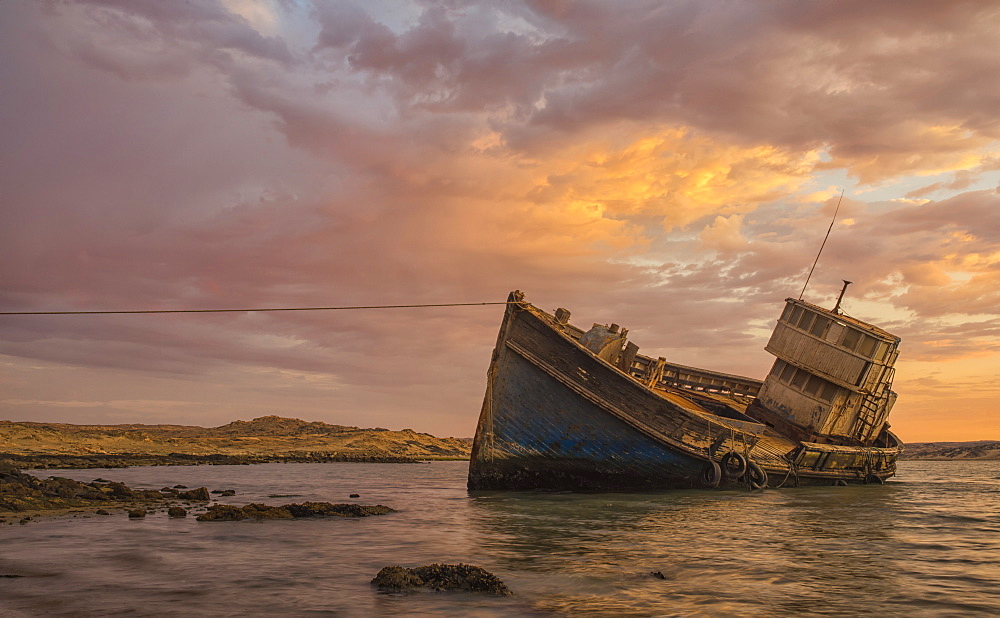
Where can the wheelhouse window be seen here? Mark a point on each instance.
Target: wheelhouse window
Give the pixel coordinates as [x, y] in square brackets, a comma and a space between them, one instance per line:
[830, 391]
[800, 378]
[805, 382]
[867, 347]
[851, 339]
[806, 320]
[787, 373]
[819, 326]
[835, 332]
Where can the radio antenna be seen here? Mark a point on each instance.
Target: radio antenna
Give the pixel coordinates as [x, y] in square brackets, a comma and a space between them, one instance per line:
[816, 261]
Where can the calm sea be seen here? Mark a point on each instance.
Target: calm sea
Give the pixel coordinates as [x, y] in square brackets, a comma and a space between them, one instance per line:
[925, 544]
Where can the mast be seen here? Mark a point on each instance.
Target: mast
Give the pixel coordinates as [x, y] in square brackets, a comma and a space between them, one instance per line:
[836, 309]
[816, 261]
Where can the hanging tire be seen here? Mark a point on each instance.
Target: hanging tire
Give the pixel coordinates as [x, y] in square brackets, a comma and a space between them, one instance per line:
[712, 475]
[734, 465]
[756, 476]
[874, 479]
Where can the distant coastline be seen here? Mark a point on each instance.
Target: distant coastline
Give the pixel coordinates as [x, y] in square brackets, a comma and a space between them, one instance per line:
[986, 450]
[268, 439]
[261, 440]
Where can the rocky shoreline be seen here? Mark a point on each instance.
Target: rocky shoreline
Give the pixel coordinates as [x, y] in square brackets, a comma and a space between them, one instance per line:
[980, 450]
[23, 497]
[125, 460]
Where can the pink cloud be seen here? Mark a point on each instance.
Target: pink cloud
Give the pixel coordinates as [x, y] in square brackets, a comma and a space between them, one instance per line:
[645, 163]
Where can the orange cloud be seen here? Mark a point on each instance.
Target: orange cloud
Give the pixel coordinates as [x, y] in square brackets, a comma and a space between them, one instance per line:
[671, 166]
[672, 176]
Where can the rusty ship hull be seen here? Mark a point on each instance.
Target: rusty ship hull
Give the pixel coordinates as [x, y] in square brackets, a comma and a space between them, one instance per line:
[558, 416]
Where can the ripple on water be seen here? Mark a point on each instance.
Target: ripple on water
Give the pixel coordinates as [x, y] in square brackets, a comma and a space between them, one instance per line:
[925, 543]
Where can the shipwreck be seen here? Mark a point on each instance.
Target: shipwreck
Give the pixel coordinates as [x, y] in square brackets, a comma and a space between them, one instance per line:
[568, 409]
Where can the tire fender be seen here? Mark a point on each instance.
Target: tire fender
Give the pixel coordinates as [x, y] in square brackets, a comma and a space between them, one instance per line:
[757, 476]
[712, 475]
[734, 465]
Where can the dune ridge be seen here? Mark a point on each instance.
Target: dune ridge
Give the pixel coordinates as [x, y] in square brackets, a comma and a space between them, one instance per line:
[267, 438]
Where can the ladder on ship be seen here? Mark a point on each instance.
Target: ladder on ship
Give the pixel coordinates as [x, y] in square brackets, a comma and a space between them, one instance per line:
[872, 409]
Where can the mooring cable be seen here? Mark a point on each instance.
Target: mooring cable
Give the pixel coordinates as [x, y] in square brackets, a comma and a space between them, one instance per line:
[256, 309]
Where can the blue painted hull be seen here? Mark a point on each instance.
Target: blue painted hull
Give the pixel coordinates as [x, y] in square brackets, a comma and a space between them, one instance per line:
[545, 426]
[550, 437]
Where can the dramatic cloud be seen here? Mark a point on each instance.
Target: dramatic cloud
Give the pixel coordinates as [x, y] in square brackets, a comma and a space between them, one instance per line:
[668, 166]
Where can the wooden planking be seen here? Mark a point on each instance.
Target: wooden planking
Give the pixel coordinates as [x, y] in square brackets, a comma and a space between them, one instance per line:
[803, 350]
[565, 419]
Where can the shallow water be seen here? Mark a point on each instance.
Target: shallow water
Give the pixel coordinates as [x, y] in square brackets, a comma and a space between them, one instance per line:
[926, 543]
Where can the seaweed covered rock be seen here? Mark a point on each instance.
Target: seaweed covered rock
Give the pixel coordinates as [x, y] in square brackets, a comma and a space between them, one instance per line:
[228, 512]
[121, 490]
[397, 579]
[326, 509]
[440, 577]
[222, 512]
[22, 492]
[25, 492]
[176, 511]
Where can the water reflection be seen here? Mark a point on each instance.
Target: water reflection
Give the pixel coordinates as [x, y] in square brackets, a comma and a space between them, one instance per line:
[814, 550]
[927, 543]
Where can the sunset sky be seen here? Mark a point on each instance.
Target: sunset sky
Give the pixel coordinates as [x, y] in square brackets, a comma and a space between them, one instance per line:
[668, 166]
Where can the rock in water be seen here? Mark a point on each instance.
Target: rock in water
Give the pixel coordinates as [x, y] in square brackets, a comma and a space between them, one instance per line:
[222, 512]
[176, 511]
[326, 509]
[441, 577]
[137, 513]
[397, 578]
[228, 512]
[120, 490]
[195, 494]
[24, 492]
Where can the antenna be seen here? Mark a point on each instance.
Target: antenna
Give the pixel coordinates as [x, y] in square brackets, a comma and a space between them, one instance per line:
[816, 261]
[841, 297]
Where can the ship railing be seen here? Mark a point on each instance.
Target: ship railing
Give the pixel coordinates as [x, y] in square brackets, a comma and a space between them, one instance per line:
[711, 386]
[678, 376]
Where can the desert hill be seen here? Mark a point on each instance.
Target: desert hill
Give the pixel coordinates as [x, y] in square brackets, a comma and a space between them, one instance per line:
[268, 436]
[981, 449]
